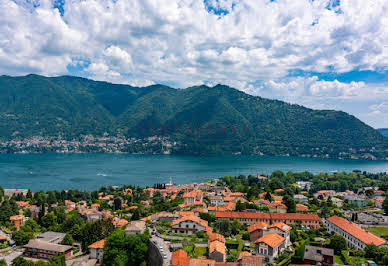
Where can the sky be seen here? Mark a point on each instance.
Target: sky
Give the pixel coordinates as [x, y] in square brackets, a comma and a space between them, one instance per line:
[323, 54]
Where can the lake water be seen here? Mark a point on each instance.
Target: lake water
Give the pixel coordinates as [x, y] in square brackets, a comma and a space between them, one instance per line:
[91, 171]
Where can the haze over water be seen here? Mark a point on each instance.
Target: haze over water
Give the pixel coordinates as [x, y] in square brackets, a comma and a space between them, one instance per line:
[91, 171]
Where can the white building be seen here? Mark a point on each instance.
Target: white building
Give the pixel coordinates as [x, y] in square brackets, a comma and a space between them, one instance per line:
[301, 198]
[356, 237]
[189, 225]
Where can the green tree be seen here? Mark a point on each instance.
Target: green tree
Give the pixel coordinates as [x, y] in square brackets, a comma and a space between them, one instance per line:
[385, 205]
[125, 250]
[290, 203]
[3, 262]
[68, 240]
[48, 220]
[22, 237]
[338, 243]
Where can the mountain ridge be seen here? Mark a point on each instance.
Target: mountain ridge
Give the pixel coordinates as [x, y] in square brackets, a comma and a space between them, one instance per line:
[202, 119]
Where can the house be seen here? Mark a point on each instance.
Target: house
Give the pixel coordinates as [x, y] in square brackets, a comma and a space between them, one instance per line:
[281, 229]
[216, 201]
[248, 218]
[135, 227]
[277, 207]
[358, 202]
[270, 246]
[17, 221]
[300, 198]
[179, 258]
[92, 215]
[10, 192]
[51, 237]
[191, 197]
[301, 208]
[97, 250]
[120, 223]
[34, 209]
[95, 206]
[164, 217]
[379, 203]
[3, 239]
[247, 259]
[318, 255]
[22, 204]
[257, 230]
[39, 249]
[356, 237]
[217, 251]
[338, 202]
[189, 225]
[201, 262]
[304, 184]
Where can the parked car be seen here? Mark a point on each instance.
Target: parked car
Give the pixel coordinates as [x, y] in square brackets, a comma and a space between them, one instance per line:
[164, 256]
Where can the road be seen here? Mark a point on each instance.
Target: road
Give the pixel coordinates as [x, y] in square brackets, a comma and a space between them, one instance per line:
[11, 255]
[161, 243]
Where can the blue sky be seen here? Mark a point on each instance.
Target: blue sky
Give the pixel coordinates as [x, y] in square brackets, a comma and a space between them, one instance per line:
[324, 54]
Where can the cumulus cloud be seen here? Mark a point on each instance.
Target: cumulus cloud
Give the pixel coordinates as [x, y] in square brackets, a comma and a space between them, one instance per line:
[236, 42]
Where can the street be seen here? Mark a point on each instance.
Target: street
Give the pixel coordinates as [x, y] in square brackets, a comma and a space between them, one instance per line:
[161, 243]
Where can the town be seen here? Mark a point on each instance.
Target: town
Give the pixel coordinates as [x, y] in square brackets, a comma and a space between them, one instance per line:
[278, 219]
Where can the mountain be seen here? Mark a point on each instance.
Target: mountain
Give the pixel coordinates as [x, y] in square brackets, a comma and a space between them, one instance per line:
[201, 119]
[383, 131]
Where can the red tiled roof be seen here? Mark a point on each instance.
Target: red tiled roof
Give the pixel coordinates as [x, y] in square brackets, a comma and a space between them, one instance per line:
[257, 226]
[217, 246]
[215, 236]
[273, 240]
[356, 231]
[282, 226]
[179, 258]
[190, 218]
[98, 244]
[278, 216]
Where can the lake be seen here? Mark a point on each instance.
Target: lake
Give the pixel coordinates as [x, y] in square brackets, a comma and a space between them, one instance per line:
[91, 171]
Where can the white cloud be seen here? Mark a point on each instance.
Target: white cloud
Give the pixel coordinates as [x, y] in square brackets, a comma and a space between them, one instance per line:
[147, 41]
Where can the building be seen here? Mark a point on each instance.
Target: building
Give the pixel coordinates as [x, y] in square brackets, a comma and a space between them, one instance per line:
[270, 246]
[379, 203]
[164, 217]
[304, 184]
[281, 229]
[277, 207]
[17, 221]
[248, 218]
[300, 198]
[301, 208]
[356, 237]
[10, 192]
[338, 202]
[189, 224]
[217, 251]
[39, 249]
[216, 201]
[256, 230]
[97, 250]
[318, 255]
[179, 258]
[135, 227]
[51, 237]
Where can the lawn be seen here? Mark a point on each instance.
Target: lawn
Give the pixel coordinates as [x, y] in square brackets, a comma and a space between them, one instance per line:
[200, 251]
[379, 231]
[338, 260]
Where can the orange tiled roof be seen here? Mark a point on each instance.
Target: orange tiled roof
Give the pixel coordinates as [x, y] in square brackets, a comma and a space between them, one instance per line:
[201, 262]
[282, 226]
[217, 246]
[179, 258]
[301, 207]
[279, 216]
[16, 217]
[98, 244]
[243, 254]
[277, 204]
[190, 218]
[3, 238]
[120, 223]
[22, 203]
[278, 190]
[132, 207]
[273, 240]
[183, 213]
[356, 231]
[257, 226]
[95, 205]
[215, 236]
